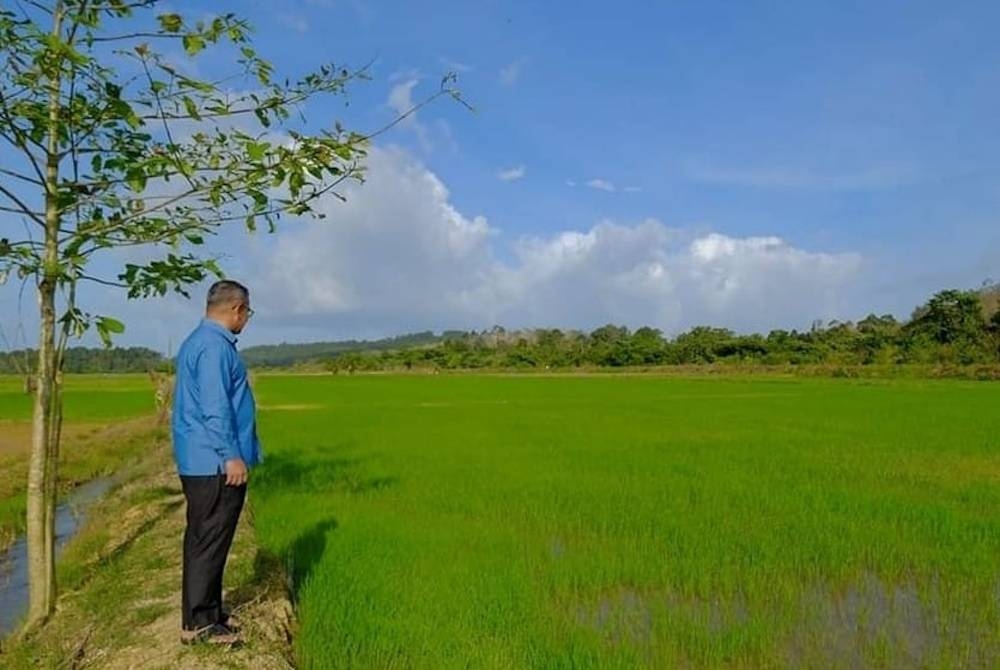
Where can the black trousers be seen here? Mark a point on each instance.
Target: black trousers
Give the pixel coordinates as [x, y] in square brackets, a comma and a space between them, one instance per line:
[213, 509]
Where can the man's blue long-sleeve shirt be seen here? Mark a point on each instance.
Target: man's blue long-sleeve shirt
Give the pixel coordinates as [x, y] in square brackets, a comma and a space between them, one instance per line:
[214, 414]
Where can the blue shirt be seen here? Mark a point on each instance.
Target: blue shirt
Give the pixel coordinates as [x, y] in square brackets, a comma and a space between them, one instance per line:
[214, 414]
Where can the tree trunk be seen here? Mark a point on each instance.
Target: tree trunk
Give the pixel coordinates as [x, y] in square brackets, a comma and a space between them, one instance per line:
[45, 430]
[42, 472]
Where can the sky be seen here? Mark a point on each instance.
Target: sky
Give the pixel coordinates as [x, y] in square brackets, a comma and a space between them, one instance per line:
[751, 165]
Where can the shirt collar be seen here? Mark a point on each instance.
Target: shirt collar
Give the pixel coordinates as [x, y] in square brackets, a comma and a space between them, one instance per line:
[219, 328]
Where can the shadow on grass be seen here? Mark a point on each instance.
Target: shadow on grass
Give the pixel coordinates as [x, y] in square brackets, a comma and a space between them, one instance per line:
[292, 568]
[284, 574]
[306, 551]
[312, 475]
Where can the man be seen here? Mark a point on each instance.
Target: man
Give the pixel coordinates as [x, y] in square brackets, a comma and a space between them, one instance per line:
[215, 443]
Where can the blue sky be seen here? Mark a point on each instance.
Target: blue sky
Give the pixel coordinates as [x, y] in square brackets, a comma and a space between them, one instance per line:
[755, 165]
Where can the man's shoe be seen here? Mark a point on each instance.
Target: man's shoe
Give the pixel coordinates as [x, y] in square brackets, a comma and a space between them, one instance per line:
[214, 634]
[231, 622]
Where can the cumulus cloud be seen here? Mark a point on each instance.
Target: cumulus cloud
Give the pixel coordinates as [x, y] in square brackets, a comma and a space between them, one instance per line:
[399, 256]
[397, 253]
[511, 174]
[601, 185]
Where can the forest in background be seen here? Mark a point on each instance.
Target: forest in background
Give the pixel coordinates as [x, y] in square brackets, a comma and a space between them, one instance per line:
[953, 328]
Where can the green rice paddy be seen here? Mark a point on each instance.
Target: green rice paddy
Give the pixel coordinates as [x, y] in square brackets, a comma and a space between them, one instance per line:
[634, 521]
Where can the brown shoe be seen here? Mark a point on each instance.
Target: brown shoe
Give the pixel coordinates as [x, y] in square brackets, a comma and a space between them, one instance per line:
[214, 634]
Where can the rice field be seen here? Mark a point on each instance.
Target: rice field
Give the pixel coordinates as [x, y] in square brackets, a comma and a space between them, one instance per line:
[634, 521]
[104, 426]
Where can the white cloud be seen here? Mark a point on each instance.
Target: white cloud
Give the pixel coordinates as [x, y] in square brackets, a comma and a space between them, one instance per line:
[397, 252]
[398, 256]
[511, 73]
[601, 185]
[401, 101]
[571, 183]
[511, 174]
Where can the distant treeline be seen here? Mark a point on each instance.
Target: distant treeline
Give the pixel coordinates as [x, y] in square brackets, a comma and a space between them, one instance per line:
[284, 355]
[83, 359]
[953, 328]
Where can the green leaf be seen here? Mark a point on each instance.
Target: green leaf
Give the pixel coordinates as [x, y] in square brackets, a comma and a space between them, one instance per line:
[192, 108]
[111, 325]
[256, 150]
[193, 44]
[170, 23]
[295, 182]
[343, 151]
[136, 179]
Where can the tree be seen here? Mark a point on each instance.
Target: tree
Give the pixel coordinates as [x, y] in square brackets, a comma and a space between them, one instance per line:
[954, 321]
[647, 347]
[701, 344]
[108, 145]
[879, 336]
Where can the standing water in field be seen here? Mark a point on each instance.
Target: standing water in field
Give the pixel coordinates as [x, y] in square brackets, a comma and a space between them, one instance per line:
[14, 564]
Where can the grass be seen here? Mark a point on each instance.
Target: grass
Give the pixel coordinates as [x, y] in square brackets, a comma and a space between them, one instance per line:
[120, 588]
[104, 427]
[89, 398]
[599, 521]
[496, 522]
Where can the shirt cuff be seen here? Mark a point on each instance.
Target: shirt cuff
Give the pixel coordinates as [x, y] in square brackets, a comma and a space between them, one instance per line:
[229, 453]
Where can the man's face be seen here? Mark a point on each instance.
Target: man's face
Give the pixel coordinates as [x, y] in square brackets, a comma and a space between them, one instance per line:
[240, 316]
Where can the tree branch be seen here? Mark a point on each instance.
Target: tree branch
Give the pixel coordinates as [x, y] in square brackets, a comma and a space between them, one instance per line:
[102, 282]
[18, 139]
[23, 208]
[166, 126]
[122, 38]
[18, 175]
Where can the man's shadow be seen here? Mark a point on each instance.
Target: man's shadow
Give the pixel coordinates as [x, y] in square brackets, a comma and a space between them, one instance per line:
[277, 575]
[290, 569]
[305, 552]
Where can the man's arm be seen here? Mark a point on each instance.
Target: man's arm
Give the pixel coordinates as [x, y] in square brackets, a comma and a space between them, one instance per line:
[214, 374]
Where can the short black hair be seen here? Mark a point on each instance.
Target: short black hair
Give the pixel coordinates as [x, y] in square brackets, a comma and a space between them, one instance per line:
[226, 292]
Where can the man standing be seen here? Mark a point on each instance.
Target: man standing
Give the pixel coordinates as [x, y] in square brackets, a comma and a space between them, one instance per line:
[215, 442]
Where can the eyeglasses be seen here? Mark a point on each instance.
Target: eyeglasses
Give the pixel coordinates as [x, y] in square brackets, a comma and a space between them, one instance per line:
[250, 312]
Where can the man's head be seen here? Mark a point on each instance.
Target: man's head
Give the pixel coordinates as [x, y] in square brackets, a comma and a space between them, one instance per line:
[229, 305]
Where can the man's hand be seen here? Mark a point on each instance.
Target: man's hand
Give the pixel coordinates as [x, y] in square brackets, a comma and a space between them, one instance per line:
[236, 472]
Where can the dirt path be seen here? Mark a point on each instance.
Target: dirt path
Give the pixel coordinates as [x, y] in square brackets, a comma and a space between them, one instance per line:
[120, 607]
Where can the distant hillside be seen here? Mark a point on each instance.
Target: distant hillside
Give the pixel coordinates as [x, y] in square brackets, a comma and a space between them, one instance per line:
[283, 355]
